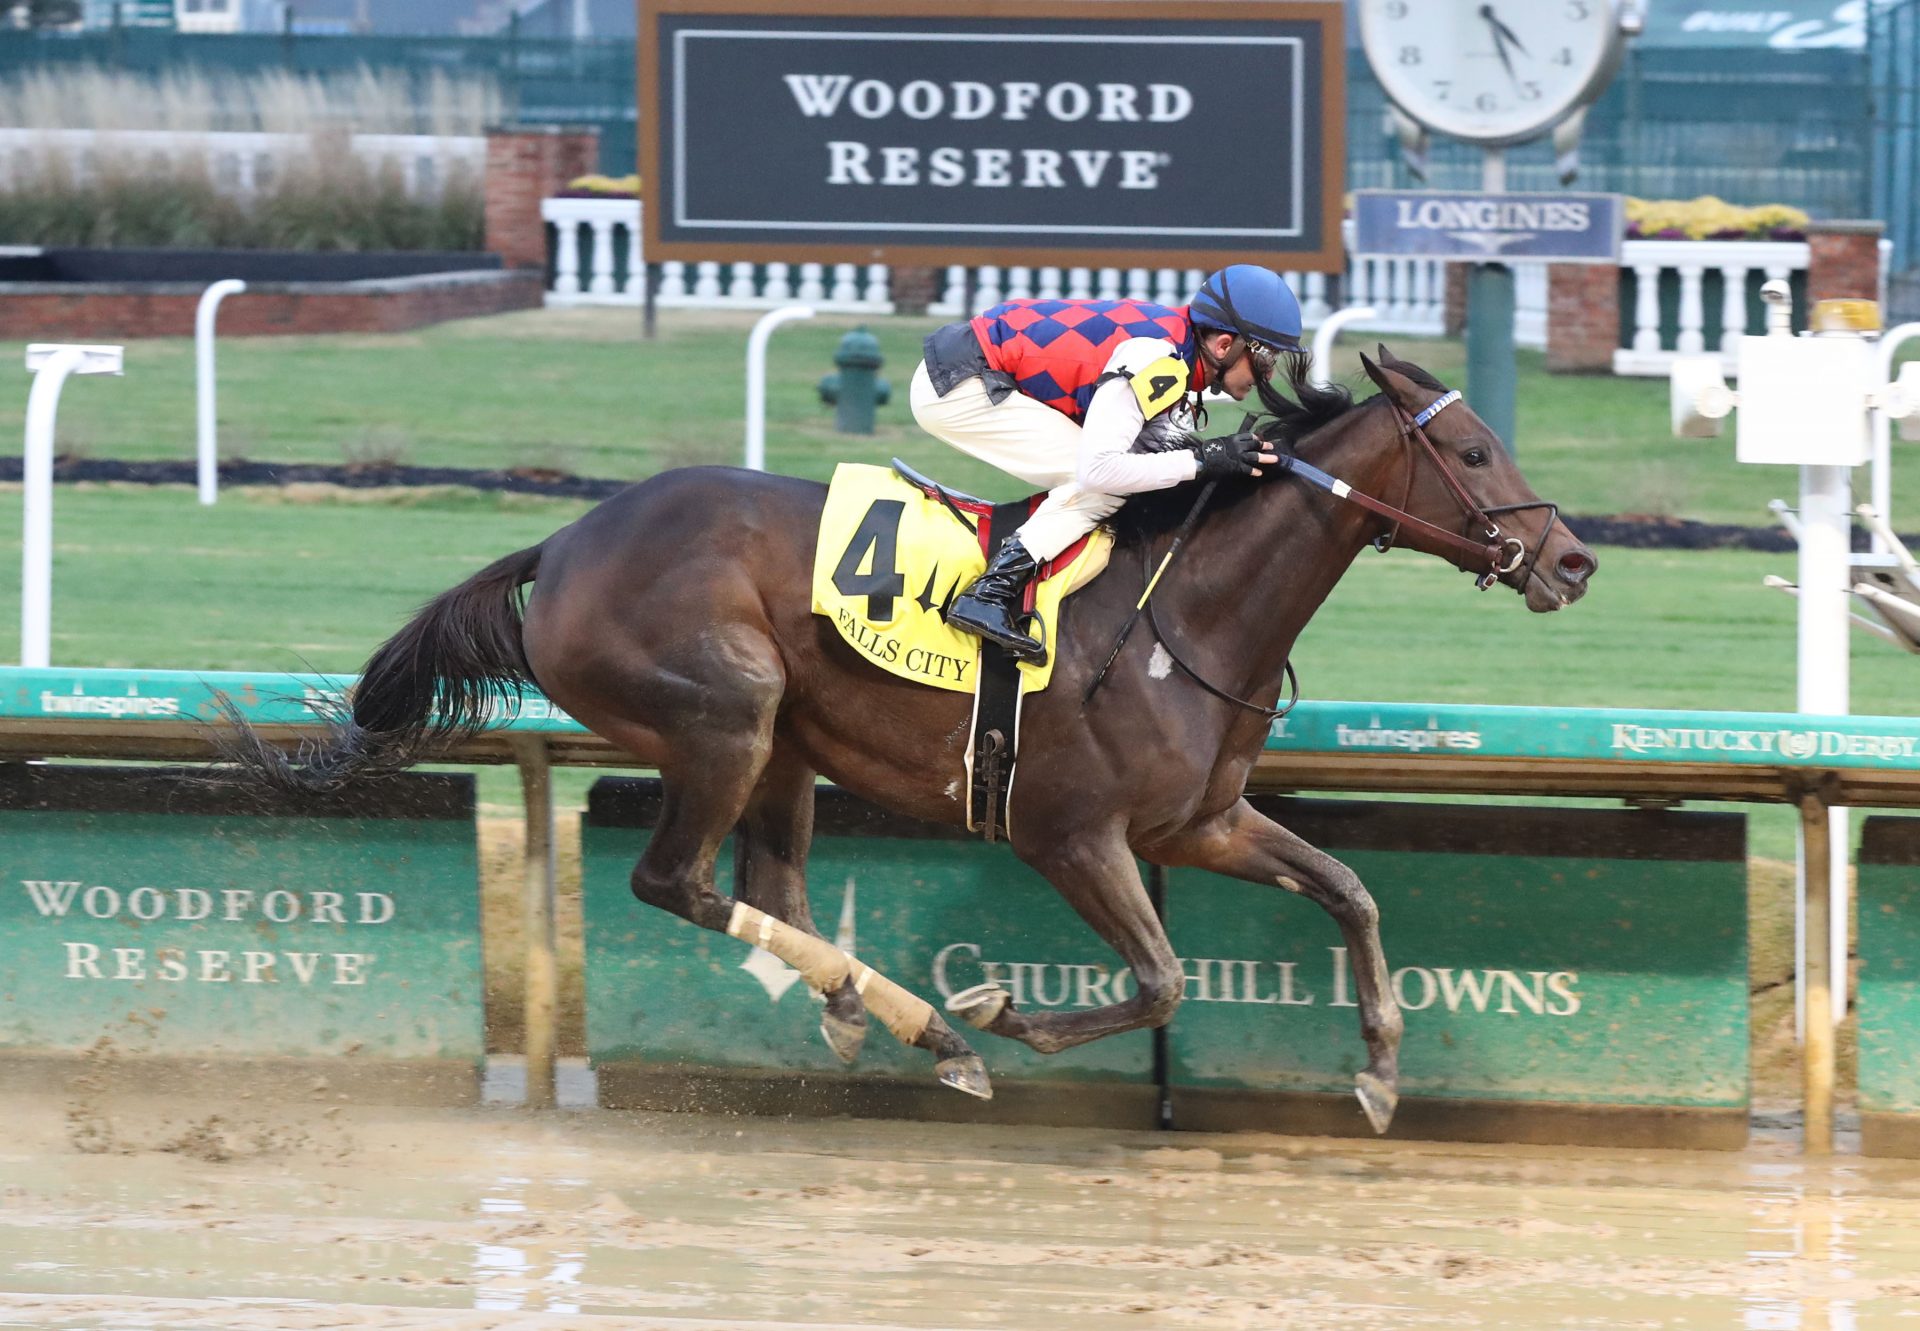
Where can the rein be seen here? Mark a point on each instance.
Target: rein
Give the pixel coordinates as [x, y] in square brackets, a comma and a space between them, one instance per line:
[1502, 554]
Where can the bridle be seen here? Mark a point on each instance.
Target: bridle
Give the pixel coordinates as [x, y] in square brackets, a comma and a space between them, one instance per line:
[1496, 552]
[1503, 554]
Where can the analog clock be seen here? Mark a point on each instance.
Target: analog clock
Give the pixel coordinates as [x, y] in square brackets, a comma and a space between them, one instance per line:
[1491, 71]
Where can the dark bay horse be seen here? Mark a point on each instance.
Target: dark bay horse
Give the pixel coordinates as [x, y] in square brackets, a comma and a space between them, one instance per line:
[674, 621]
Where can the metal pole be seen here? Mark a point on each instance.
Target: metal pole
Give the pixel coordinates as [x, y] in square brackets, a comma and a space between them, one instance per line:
[209, 451]
[1824, 532]
[1817, 1054]
[50, 364]
[1491, 371]
[756, 459]
[1330, 329]
[543, 969]
[1882, 470]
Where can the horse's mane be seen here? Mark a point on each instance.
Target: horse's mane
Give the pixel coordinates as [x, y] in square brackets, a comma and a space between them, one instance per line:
[1147, 515]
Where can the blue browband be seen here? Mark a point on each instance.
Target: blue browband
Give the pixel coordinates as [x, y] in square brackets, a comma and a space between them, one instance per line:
[1446, 401]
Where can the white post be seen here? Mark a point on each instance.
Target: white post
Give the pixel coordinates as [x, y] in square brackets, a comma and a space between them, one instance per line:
[203, 358]
[50, 363]
[757, 379]
[1825, 643]
[1330, 329]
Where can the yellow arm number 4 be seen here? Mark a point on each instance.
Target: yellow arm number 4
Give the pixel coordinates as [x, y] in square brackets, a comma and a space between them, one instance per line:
[1160, 385]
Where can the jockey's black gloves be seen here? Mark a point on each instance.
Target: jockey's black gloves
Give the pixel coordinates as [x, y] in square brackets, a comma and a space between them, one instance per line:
[1228, 456]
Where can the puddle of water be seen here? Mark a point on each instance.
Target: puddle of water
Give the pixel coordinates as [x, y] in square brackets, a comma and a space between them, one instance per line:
[474, 1219]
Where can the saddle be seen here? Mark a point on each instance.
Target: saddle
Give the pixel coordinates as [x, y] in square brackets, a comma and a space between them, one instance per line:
[895, 547]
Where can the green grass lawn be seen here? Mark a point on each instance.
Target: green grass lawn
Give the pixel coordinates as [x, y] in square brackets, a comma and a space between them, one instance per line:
[314, 579]
[582, 391]
[286, 580]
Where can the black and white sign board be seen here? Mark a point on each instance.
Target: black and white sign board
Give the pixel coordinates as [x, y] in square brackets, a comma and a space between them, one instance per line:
[1170, 135]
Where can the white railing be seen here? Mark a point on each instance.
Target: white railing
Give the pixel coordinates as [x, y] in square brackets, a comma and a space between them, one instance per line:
[597, 261]
[1647, 352]
[239, 164]
[1740, 264]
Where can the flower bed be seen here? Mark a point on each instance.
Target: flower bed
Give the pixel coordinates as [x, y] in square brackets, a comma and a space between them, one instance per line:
[1708, 218]
[601, 187]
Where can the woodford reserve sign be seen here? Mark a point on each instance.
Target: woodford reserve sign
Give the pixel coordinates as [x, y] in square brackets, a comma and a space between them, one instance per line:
[1185, 134]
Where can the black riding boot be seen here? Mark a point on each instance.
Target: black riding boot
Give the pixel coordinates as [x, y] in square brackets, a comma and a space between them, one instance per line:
[990, 607]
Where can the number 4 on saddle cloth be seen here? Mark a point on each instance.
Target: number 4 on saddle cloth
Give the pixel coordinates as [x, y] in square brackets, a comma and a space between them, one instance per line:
[894, 550]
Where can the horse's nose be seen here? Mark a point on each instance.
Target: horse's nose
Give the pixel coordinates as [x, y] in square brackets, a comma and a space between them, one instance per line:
[1576, 565]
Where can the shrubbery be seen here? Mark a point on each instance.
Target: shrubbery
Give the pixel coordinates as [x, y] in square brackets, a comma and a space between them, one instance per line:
[330, 200]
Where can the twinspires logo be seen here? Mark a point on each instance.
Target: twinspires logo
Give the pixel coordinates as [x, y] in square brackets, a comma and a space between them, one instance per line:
[1377, 736]
[66, 899]
[1041, 984]
[78, 703]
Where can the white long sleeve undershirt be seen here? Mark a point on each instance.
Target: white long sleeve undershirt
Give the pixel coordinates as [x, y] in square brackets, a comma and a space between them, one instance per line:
[1113, 422]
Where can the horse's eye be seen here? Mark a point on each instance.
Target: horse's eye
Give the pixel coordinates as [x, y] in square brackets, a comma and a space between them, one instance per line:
[1476, 457]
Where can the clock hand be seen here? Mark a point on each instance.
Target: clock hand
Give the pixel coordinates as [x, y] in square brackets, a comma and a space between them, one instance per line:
[1499, 40]
[1506, 32]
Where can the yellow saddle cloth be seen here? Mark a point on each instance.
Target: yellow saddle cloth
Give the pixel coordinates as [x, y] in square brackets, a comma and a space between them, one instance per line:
[891, 559]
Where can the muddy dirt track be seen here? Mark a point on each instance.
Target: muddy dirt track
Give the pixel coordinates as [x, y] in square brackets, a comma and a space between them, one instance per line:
[219, 1213]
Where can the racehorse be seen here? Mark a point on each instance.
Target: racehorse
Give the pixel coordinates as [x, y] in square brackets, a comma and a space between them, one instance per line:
[674, 621]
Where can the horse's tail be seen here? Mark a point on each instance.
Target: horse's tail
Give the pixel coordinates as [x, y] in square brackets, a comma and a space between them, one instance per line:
[428, 686]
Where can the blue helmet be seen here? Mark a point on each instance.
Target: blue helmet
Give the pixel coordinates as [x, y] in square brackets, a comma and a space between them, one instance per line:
[1251, 302]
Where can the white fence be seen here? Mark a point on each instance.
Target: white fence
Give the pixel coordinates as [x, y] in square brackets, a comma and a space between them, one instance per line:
[239, 164]
[1647, 352]
[1734, 267]
[597, 261]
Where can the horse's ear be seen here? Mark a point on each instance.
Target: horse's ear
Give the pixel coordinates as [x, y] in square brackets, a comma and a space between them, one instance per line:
[1390, 381]
[1375, 373]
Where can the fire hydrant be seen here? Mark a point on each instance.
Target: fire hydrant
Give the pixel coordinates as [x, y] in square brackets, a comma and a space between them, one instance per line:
[857, 389]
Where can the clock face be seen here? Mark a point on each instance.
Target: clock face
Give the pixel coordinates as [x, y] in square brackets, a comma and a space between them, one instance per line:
[1490, 71]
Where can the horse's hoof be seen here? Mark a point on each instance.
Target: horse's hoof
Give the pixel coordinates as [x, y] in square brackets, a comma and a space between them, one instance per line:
[842, 1036]
[1377, 1100]
[981, 1005]
[966, 1074]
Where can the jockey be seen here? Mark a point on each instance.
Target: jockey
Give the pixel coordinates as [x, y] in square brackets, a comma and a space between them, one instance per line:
[1095, 400]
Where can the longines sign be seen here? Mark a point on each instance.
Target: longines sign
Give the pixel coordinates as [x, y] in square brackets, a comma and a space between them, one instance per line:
[868, 130]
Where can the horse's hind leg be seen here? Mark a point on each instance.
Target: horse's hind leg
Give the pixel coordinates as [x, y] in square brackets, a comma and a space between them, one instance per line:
[1243, 843]
[770, 863]
[1096, 874]
[708, 777]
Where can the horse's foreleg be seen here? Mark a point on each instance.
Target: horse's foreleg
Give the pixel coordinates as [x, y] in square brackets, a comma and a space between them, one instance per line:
[1242, 843]
[770, 863]
[1099, 879]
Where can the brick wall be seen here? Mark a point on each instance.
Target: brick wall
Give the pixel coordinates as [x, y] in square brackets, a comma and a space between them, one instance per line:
[1583, 317]
[47, 313]
[526, 164]
[1843, 261]
[916, 286]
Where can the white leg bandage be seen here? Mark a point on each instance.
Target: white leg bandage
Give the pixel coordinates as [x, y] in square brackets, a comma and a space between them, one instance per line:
[824, 966]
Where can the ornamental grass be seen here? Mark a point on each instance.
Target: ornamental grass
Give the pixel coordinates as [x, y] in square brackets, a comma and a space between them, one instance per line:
[315, 193]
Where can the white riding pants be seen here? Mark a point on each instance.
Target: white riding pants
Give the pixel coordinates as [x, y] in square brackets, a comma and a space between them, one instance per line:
[1027, 440]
